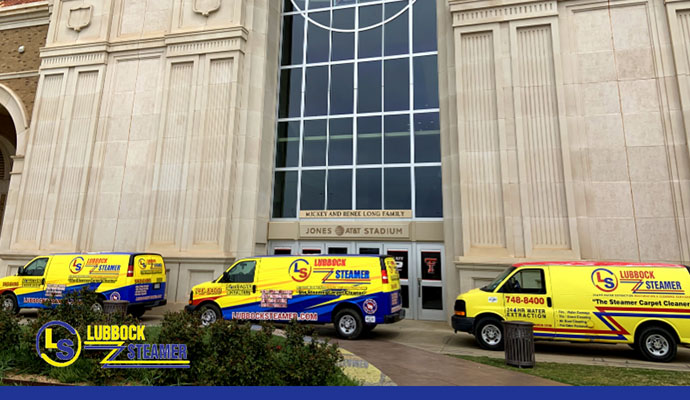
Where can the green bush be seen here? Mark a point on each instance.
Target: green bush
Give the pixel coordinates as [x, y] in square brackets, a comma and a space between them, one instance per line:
[10, 332]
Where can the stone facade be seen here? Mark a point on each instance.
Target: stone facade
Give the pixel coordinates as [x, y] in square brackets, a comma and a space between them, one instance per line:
[153, 130]
[565, 132]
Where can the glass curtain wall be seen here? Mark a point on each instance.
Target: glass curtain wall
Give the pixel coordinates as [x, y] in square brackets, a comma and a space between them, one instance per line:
[358, 118]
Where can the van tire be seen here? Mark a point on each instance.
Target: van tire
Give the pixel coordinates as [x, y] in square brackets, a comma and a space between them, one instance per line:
[348, 324]
[8, 303]
[657, 344]
[489, 333]
[137, 311]
[209, 314]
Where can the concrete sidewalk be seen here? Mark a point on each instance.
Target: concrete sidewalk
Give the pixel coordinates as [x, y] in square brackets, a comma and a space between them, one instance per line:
[438, 337]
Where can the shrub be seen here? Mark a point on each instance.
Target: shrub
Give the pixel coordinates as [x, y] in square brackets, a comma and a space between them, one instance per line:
[182, 327]
[10, 332]
[313, 362]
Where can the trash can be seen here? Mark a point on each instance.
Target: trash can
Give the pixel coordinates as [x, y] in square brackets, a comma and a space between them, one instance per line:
[519, 343]
[115, 306]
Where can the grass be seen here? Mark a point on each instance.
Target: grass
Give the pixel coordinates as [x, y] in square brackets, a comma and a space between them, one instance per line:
[593, 375]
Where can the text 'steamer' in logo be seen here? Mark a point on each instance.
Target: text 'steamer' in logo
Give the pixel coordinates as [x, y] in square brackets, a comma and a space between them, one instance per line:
[76, 265]
[300, 270]
[604, 280]
[67, 349]
[370, 306]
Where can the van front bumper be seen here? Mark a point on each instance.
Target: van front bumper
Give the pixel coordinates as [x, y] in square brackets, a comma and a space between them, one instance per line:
[395, 317]
[190, 308]
[462, 324]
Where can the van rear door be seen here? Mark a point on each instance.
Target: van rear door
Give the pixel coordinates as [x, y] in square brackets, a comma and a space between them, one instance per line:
[391, 282]
[148, 274]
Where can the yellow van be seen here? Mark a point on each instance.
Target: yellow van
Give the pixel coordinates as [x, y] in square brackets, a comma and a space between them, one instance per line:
[354, 292]
[646, 306]
[136, 277]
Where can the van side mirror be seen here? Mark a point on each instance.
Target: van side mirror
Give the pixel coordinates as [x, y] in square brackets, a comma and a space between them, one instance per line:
[20, 271]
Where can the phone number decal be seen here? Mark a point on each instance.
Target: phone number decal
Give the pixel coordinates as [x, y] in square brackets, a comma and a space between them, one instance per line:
[524, 300]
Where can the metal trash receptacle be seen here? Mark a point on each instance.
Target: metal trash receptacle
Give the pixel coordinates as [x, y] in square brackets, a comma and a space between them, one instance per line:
[519, 343]
[115, 306]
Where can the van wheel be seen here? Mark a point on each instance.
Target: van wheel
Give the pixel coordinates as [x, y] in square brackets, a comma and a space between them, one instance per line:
[8, 303]
[348, 324]
[209, 314]
[657, 344]
[137, 312]
[489, 334]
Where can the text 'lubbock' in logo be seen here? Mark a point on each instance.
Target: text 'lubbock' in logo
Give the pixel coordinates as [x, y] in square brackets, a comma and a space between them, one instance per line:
[59, 344]
[76, 265]
[300, 270]
[604, 280]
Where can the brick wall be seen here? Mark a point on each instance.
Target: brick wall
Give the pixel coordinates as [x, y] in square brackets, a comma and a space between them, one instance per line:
[25, 88]
[32, 38]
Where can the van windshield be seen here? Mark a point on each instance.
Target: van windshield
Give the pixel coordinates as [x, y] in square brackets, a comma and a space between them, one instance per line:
[493, 285]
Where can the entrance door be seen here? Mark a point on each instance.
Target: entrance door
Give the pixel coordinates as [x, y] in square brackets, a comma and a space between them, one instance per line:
[403, 254]
[426, 282]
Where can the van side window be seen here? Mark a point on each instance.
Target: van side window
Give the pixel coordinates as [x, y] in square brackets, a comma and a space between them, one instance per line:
[242, 272]
[529, 281]
[36, 268]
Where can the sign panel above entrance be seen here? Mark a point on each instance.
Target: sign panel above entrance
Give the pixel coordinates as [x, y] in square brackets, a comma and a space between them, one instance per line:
[373, 214]
[358, 231]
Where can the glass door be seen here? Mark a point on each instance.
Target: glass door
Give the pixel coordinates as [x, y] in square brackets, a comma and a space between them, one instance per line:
[427, 286]
[402, 254]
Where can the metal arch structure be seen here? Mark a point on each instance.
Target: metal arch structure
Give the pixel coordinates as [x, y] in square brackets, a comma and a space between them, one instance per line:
[305, 15]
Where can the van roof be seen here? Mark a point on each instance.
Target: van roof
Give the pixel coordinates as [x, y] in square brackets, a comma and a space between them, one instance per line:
[321, 255]
[597, 264]
[105, 253]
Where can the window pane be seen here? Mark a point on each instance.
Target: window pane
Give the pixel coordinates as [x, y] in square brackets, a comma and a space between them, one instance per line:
[396, 188]
[313, 4]
[369, 189]
[424, 26]
[343, 47]
[318, 47]
[290, 93]
[369, 87]
[396, 31]
[289, 7]
[425, 82]
[342, 88]
[316, 91]
[340, 189]
[370, 39]
[285, 194]
[314, 143]
[293, 40]
[313, 193]
[287, 151]
[369, 140]
[340, 142]
[396, 85]
[432, 298]
[428, 192]
[431, 265]
[396, 140]
[427, 138]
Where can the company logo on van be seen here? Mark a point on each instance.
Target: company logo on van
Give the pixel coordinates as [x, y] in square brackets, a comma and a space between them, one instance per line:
[604, 280]
[76, 265]
[300, 270]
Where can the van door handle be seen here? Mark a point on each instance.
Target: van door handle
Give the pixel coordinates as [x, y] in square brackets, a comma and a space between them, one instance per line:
[253, 288]
[548, 301]
[43, 281]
